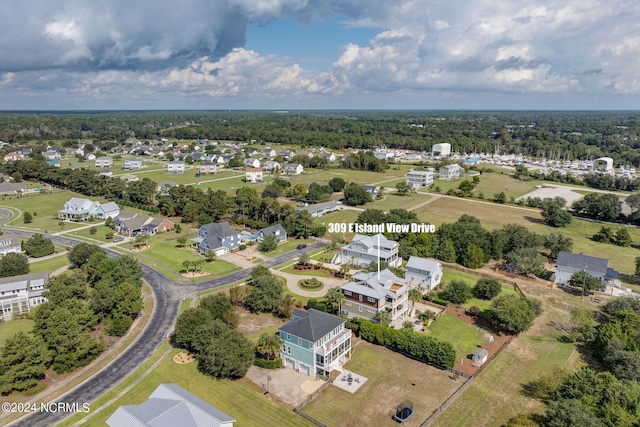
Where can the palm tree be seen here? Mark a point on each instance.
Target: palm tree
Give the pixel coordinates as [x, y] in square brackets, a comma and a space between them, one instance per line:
[269, 345]
[334, 299]
[344, 269]
[414, 296]
[186, 264]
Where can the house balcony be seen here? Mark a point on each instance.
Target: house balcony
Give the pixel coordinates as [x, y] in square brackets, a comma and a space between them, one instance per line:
[328, 347]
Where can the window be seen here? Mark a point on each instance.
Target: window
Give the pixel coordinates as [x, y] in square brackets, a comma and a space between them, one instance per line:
[360, 309]
[348, 304]
[371, 299]
[348, 293]
[371, 310]
[360, 297]
[299, 341]
[288, 349]
[288, 336]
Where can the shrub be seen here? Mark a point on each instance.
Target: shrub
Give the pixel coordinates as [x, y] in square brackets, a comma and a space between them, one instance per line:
[242, 247]
[268, 364]
[311, 283]
[312, 303]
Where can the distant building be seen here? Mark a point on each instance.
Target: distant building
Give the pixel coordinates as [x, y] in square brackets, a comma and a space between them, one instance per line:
[441, 150]
[373, 190]
[568, 264]
[293, 169]
[19, 294]
[217, 237]
[423, 272]
[169, 406]
[131, 224]
[132, 164]
[363, 250]
[269, 152]
[419, 179]
[450, 172]
[277, 230]
[176, 166]
[207, 168]
[10, 243]
[369, 293]
[253, 175]
[603, 165]
[9, 188]
[104, 162]
[320, 209]
[78, 209]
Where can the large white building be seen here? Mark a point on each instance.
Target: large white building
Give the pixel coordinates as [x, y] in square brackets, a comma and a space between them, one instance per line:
[441, 150]
[363, 250]
[19, 294]
[419, 179]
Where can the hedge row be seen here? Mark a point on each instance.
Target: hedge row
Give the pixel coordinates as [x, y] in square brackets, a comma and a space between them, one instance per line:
[268, 364]
[420, 346]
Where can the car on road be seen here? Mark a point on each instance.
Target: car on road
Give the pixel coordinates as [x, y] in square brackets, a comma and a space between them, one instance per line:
[301, 246]
[118, 239]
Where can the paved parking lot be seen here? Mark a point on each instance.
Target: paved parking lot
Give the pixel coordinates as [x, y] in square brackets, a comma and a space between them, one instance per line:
[551, 191]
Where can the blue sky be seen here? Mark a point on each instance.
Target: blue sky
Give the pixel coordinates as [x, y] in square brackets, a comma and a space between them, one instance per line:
[320, 54]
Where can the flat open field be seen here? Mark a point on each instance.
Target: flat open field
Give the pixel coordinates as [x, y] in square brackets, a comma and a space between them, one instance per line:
[241, 399]
[50, 264]
[495, 216]
[492, 183]
[464, 337]
[392, 378]
[360, 177]
[393, 201]
[12, 327]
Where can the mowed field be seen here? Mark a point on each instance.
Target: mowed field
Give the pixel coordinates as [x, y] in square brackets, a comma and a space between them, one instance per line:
[392, 378]
[9, 329]
[494, 216]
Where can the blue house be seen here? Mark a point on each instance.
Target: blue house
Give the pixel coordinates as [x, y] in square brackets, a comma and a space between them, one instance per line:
[217, 237]
[315, 342]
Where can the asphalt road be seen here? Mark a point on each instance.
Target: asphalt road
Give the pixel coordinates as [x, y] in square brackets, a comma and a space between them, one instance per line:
[168, 295]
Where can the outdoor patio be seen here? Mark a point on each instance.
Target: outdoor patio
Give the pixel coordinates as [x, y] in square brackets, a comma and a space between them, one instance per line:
[349, 381]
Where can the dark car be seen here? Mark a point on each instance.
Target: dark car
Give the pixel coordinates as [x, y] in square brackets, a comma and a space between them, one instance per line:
[301, 246]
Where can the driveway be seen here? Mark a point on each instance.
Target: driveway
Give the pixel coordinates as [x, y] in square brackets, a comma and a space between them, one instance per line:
[286, 384]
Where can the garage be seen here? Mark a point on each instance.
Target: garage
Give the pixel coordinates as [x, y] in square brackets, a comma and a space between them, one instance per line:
[305, 370]
[289, 363]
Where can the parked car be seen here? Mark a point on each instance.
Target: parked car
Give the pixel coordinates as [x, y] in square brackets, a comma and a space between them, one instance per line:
[301, 246]
[118, 239]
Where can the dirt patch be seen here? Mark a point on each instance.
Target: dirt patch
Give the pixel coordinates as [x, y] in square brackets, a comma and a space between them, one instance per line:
[549, 192]
[183, 358]
[193, 275]
[252, 324]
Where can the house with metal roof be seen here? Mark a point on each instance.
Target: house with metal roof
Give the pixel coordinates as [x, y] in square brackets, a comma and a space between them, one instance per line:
[19, 294]
[449, 172]
[424, 273]
[10, 243]
[79, 209]
[277, 230]
[568, 264]
[315, 342]
[369, 293]
[320, 209]
[363, 250]
[217, 237]
[168, 406]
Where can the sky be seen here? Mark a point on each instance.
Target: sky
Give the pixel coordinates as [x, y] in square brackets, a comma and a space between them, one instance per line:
[319, 54]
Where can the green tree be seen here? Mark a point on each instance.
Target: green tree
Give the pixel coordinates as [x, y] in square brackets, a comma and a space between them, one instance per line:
[23, 361]
[218, 305]
[604, 235]
[27, 218]
[334, 298]
[472, 257]
[553, 212]
[265, 291]
[299, 191]
[583, 280]
[382, 317]
[488, 288]
[182, 241]
[571, 412]
[512, 313]
[286, 305]
[80, 253]
[623, 238]
[556, 243]
[38, 246]
[457, 291]
[414, 296]
[14, 264]
[337, 184]
[605, 207]
[500, 197]
[228, 355]
[355, 195]
[269, 345]
[526, 261]
[268, 244]
[402, 189]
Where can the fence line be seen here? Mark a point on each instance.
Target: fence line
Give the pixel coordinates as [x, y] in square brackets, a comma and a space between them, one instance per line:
[298, 409]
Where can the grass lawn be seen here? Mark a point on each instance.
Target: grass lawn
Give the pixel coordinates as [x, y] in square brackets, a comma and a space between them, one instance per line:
[361, 177]
[464, 337]
[46, 206]
[483, 304]
[241, 399]
[12, 327]
[492, 183]
[392, 378]
[306, 273]
[393, 201]
[50, 265]
[288, 246]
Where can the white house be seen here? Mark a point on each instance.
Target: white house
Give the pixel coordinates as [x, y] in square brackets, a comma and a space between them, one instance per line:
[423, 272]
[369, 293]
[253, 175]
[270, 166]
[419, 179]
[107, 210]
[78, 209]
[104, 162]
[251, 163]
[277, 230]
[132, 164]
[269, 152]
[176, 166]
[19, 294]
[10, 243]
[320, 209]
[207, 168]
[451, 171]
[293, 169]
[568, 264]
[363, 250]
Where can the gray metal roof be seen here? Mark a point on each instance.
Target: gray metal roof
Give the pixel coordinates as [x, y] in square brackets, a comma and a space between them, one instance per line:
[583, 262]
[311, 325]
[168, 406]
[42, 277]
[423, 264]
[272, 230]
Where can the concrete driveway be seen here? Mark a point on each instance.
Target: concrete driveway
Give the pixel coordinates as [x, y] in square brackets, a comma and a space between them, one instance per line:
[286, 384]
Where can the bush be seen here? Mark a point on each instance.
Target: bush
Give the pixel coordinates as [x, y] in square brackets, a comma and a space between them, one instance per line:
[312, 303]
[242, 247]
[321, 307]
[488, 288]
[440, 301]
[311, 284]
[268, 364]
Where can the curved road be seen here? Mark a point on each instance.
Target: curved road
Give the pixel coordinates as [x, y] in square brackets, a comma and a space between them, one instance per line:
[168, 295]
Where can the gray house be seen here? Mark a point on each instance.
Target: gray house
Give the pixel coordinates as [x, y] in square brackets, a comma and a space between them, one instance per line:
[19, 294]
[423, 272]
[569, 263]
[277, 230]
[168, 406]
[217, 237]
